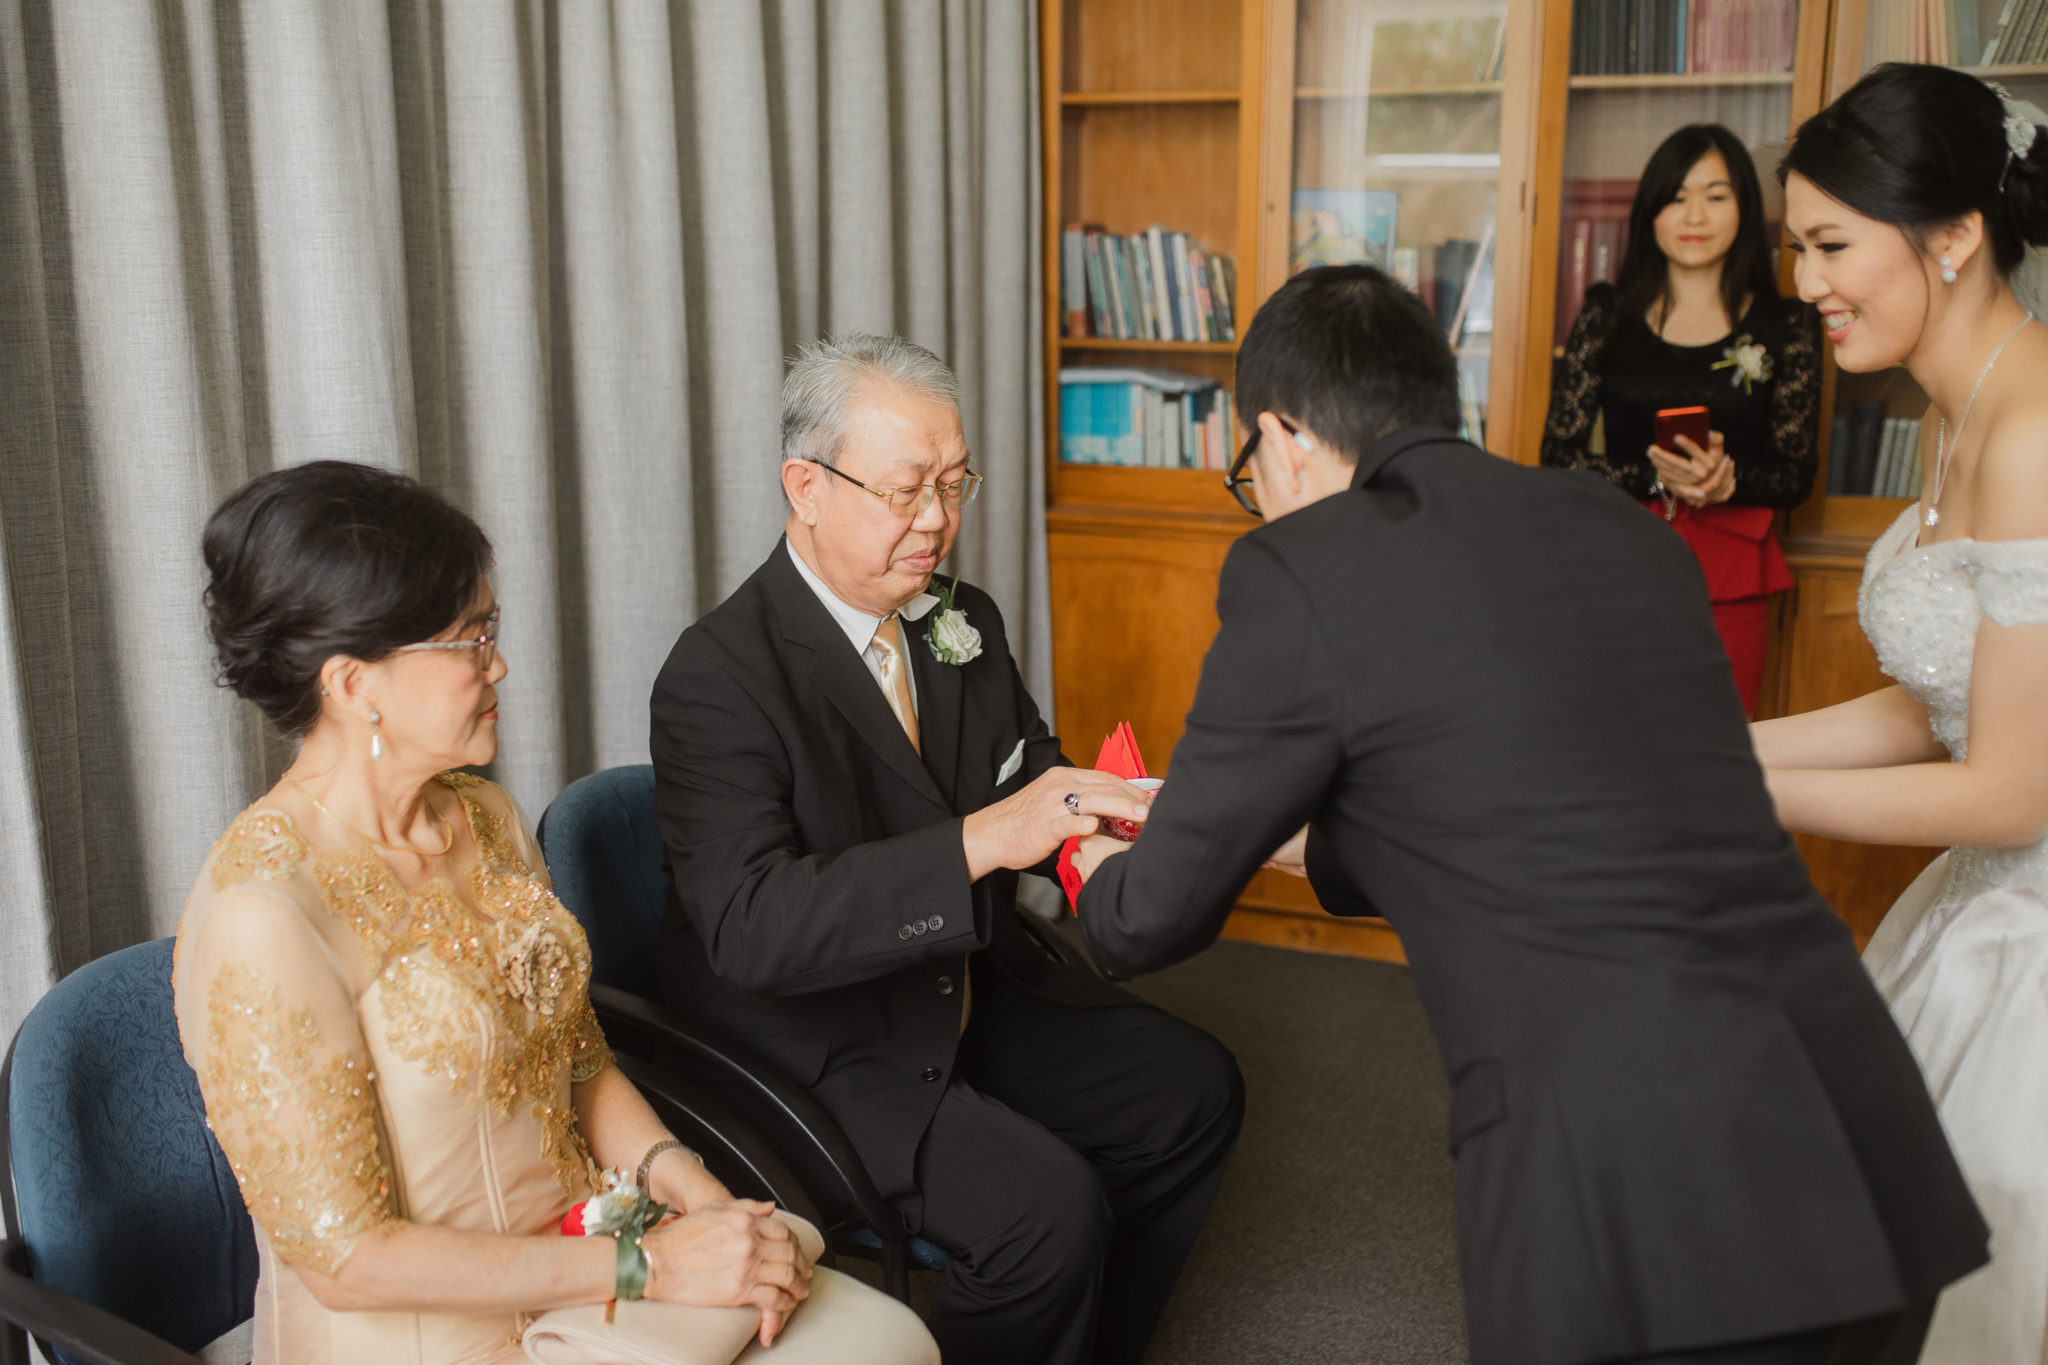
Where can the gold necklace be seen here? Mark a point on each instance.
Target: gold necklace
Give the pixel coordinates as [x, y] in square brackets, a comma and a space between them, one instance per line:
[369, 839]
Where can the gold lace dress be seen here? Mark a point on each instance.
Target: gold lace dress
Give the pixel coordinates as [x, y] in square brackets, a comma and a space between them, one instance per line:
[370, 1054]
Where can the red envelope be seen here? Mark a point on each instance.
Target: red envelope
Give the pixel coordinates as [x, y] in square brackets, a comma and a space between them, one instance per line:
[1119, 755]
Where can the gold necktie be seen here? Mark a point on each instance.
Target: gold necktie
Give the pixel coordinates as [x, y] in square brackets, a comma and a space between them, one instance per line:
[895, 681]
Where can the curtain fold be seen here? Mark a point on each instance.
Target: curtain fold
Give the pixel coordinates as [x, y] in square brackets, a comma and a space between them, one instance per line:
[547, 256]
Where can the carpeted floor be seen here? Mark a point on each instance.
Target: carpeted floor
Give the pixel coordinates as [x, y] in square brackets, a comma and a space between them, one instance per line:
[1331, 1240]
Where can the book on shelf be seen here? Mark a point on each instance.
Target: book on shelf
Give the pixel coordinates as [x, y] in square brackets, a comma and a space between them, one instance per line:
[1144, 418]
[1593, 235]
[1670, 37]
[1471, 423]
[1474, 314]
[1931, 31]
[1873, 456]
[1338, 227]
[1156, 285]
[2021, 34]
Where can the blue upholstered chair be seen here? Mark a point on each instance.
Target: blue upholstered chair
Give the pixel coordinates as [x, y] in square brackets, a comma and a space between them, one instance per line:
[127, 1242]
[604, 851]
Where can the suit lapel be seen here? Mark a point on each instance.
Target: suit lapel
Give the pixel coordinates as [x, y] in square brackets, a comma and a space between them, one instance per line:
[839, 673]
[939, 687]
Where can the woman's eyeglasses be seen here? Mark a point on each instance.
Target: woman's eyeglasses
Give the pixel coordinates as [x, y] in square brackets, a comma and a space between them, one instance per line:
[1240, 483]
[485, 645]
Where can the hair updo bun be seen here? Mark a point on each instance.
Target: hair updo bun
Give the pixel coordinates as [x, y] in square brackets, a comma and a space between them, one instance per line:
[2026, 194]
[324, 559]
[1919, 146]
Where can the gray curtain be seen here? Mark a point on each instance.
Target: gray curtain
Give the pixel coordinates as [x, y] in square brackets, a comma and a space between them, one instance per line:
[547, 256]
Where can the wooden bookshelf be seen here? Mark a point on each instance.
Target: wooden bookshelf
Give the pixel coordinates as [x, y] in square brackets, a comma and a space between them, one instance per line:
[1184, 113]
[1206, 116]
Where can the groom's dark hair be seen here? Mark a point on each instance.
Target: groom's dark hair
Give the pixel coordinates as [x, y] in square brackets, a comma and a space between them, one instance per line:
[1350, 354]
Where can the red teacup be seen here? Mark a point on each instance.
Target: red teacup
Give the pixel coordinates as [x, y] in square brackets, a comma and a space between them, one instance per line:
[1128, 830]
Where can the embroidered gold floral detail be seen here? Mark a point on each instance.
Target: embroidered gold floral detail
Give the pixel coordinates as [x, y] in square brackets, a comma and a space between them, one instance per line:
[456, 778]
[260, 843]
[534, 964]
[508, 964]
[268, 1082]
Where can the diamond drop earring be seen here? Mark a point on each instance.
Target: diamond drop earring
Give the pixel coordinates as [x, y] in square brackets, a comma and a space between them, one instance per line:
[376, 735]
[1948, 271]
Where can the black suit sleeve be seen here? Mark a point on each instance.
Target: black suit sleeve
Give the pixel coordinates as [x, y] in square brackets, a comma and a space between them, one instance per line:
[1262, 745]
[773, 919]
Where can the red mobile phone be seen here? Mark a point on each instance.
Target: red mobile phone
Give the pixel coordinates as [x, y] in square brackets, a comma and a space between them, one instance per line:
[1673, 423]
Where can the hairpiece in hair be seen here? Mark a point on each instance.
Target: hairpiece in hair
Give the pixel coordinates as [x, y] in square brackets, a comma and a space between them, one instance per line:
[2022, 121]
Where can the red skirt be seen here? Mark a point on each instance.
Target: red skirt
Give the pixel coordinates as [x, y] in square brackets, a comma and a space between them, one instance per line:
[1743, 567]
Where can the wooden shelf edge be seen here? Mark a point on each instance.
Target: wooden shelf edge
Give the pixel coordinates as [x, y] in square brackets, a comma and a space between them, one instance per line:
[1119, 344]
[1315, 932]
[1680, 80]
[1107, 518]
[1096, 99]
[2010, 69]
[1395, 92]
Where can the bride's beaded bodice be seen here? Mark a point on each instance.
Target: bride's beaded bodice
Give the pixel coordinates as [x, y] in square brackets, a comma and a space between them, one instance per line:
[1920, 606]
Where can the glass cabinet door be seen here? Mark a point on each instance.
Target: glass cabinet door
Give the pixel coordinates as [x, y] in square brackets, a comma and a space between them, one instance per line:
[1397, 158]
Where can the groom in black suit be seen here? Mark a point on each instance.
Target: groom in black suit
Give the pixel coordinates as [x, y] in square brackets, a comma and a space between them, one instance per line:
[1488, 702]
[849, 776]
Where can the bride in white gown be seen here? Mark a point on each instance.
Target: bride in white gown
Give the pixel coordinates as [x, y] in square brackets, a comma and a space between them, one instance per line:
[1913, 202]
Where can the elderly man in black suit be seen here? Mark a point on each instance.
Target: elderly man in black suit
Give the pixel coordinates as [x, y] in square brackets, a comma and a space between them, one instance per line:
[848, 782]
[1686, 1127]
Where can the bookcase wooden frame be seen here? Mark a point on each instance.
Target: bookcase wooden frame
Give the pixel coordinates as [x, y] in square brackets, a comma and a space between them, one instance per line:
[1168, 529]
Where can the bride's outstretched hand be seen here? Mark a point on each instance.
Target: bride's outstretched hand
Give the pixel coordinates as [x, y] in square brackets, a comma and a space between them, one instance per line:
[1292, 856]
[1093, 852]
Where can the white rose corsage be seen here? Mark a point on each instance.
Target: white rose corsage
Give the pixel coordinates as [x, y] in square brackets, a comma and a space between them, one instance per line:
[1748, 359]
[951, 639]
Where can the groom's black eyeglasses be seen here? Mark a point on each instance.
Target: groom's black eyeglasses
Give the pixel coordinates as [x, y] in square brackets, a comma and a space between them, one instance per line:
[1240, 483]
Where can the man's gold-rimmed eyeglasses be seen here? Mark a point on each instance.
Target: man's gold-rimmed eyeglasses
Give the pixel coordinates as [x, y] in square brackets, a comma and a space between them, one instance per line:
[914, 499]
[485, 645]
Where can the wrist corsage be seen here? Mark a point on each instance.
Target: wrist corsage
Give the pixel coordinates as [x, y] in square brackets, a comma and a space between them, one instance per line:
[622, 1211]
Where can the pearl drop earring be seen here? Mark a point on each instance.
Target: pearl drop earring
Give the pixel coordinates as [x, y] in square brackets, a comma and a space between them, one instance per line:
[376, 735]
[1948, 271]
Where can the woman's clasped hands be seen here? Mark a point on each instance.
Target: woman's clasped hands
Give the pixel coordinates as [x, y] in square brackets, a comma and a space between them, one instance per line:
[1697, 477]
[734, 1254]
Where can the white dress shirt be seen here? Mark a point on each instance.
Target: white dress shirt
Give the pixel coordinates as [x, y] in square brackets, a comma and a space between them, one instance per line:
[860, 626]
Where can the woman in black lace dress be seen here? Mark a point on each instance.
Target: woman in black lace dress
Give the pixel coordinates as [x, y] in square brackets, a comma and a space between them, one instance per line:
[1695, 320]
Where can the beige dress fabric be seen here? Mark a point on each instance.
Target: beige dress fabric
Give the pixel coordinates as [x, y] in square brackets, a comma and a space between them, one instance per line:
[371, 1053]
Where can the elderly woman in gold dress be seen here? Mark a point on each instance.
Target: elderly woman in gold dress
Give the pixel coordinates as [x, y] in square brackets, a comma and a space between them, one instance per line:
[387, 1007]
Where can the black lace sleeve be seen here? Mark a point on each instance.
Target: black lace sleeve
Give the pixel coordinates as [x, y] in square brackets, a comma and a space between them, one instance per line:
[1575, 402]
[1783, 476]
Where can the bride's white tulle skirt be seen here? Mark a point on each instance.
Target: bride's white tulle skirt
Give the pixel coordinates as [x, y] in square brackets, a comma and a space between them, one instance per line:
[1963, 960]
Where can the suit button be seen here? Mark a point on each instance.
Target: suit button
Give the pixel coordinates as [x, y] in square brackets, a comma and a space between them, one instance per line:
[930, 1073]
[938, 922]
[919, 926]
[903, 932]
[945, 985]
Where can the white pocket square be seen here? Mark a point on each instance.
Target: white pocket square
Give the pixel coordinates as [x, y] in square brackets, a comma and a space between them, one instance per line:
[1011, 764]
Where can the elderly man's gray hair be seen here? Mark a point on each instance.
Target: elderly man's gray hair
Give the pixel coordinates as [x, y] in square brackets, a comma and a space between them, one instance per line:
[818, 391]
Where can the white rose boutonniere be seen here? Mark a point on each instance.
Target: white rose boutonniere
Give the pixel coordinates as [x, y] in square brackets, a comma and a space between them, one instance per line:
[952, 640]
[1748, 359]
